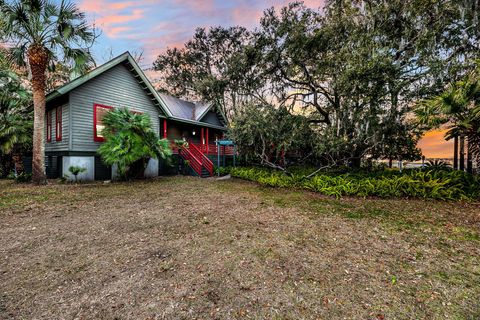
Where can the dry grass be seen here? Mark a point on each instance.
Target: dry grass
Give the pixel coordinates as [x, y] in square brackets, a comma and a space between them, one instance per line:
[186, 248]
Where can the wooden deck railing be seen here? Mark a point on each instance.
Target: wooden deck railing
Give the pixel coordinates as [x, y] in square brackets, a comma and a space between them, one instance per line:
[192, 160]
[206, 162]
[210, 149]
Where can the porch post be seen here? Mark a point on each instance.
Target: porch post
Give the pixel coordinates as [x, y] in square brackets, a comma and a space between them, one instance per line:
[206, 140]
[202, 143]
[164, 128]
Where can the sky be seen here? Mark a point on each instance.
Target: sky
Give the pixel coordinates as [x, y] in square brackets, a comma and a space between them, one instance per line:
[151, 26]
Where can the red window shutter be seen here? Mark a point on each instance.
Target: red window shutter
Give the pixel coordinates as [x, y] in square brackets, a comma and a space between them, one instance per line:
[49, 126]
[164, 128]
[58, 123]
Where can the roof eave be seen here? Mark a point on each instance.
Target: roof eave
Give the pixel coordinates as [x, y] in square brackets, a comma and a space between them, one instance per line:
[198, 123]
[97, 71]
[150, 86]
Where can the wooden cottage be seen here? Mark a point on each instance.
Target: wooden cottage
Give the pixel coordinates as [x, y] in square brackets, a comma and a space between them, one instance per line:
[74, 121]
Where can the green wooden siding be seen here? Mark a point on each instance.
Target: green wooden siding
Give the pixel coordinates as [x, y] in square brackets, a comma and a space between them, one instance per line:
[116, 87]
[55, 145]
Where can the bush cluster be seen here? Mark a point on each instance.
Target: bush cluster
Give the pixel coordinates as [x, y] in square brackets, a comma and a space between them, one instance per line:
[431, 184]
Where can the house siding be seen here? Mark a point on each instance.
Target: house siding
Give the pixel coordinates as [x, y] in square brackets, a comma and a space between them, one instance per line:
[55, 145]
[116, 87]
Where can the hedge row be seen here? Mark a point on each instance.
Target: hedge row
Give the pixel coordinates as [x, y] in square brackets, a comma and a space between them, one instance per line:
[431, 184]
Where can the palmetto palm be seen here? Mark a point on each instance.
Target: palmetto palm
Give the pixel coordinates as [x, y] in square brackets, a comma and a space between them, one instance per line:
[458, 107]
[130, 139]
[44, 32]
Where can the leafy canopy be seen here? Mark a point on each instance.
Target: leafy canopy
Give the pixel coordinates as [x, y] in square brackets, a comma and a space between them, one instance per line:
[353, 69]
[15, 114]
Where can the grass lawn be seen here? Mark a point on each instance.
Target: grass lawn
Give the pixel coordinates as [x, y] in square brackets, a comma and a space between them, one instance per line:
[189, 248]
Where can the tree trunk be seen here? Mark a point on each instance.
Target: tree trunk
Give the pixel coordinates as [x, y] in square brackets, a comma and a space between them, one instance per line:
[455, 153]
[37, 60]
[469, 158]
[390, 163]
[462, 153]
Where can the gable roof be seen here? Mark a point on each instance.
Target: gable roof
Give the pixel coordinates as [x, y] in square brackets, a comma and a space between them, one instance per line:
[174, 108]
[133, 67]
[209, 107]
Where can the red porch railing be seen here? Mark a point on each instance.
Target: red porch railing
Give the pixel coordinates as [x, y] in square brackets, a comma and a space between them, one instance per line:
[193, 161]
[210, 149]
[206, 163]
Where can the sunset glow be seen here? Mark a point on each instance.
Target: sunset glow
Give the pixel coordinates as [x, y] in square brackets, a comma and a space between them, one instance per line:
[434, 145]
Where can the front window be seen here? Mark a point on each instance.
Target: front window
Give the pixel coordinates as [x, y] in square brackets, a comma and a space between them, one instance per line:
[99, 112]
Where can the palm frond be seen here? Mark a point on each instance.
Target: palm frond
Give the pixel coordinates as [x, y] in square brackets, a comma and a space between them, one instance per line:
[60, 28]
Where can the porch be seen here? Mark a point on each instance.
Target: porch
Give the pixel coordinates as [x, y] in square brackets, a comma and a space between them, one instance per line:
[201, 153]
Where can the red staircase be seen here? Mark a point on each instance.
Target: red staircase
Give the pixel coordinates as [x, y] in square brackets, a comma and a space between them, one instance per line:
[197, 160]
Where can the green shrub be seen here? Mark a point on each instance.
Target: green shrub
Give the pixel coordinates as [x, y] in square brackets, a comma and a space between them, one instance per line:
[431, 184]
[222, 170]
[23, 177]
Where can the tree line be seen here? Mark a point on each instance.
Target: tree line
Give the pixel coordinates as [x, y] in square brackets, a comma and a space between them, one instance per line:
[353, 80]
[333, 85]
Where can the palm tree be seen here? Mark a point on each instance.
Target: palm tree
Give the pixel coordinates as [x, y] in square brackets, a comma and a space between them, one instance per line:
[458, 107]
[44, 32]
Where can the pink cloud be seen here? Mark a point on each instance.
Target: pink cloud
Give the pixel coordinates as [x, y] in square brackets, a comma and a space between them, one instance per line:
[154, 25]
[198, 6]
[111, 17]
[100, 6]
[137, 14]
[116, 32]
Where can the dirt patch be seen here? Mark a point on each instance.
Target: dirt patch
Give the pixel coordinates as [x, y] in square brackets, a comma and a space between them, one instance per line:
[187, 248]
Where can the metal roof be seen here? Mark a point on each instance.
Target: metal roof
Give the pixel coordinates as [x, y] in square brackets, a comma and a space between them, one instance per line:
[187, 110]
[179, 108]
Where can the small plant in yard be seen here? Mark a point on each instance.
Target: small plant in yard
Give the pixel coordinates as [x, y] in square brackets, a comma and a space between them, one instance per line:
[76, 170]
[23, 177]
[438, 164]
[223, 171]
